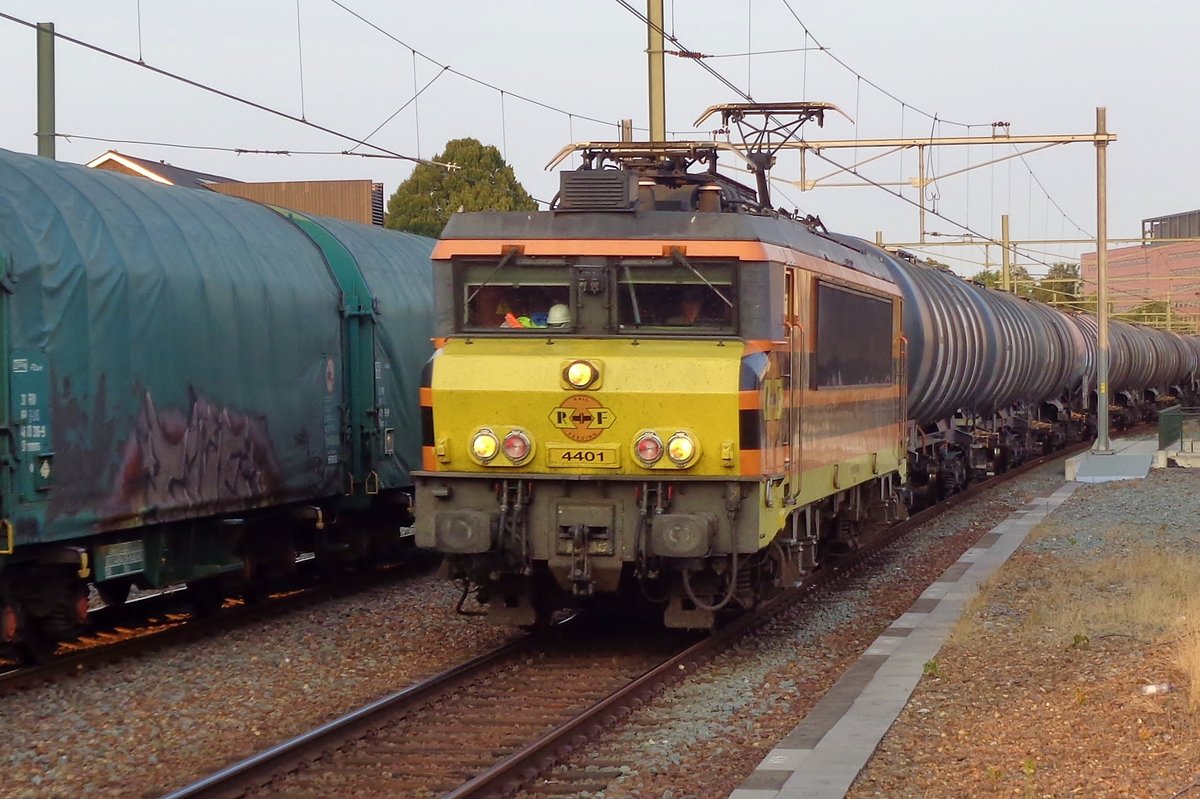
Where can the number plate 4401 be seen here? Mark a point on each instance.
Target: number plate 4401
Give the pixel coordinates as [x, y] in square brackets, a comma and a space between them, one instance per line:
[601, 457]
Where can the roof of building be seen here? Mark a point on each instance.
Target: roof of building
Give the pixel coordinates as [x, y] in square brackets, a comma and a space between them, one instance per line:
[161, 171]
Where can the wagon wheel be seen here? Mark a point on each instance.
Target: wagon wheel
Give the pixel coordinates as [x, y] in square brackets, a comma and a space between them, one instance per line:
[114, 593]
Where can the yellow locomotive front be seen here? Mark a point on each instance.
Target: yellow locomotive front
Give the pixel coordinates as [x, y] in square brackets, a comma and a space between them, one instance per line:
[610, 414]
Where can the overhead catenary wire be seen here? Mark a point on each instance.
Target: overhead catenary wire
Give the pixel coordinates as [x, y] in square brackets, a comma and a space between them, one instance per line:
[696, 55]
[242, 150]
[139, 27]
[820, 48]
[746, 96]
[671, 38]
[982, 237]
[464, 75]
[856, 73]
[416, 104]
[396, 113]
[213, 90]
[1048, 197]
[300, 58]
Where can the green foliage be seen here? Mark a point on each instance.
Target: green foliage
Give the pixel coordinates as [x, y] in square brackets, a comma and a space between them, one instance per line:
[424, 203]
[1020, 281]
[1059, 285]
[930, 669]
[1148, 313]
[988, 277]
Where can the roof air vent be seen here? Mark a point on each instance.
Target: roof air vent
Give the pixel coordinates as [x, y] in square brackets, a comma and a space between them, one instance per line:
[597, 190]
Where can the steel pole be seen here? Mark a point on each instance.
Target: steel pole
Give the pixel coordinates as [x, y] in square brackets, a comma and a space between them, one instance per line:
[921, 189]
[1006, 256]
[1102, 444]
[45, 89]
[654, 49]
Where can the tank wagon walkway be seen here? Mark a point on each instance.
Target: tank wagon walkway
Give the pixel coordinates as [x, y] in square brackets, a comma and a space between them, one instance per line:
[824, 754]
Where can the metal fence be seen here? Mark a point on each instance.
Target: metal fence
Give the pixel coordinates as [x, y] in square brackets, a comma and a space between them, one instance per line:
[1179, 429]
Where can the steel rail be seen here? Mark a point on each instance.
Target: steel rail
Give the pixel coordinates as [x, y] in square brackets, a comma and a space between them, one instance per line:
[189, 626]
[506, 775]
[260, 767]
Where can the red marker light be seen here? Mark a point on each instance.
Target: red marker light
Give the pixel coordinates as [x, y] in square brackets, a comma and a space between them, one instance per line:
[516, 446]
[648, 448]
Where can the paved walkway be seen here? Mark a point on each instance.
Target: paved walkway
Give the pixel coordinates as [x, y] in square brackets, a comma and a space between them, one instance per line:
[1128, 459]
[821, 758]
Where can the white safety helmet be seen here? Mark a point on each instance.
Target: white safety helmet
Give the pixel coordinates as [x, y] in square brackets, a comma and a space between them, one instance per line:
[559, 314]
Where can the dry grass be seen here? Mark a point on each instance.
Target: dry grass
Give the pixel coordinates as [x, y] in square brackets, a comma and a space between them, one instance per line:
[970, 621]
[1186, 654]
[1147, 593]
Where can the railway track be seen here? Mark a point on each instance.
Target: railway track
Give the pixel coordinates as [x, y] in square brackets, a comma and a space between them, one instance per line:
[165, 619]
[489, 726]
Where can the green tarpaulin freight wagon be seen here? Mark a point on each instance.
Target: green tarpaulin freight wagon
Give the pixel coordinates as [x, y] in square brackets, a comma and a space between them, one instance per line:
[192, 385]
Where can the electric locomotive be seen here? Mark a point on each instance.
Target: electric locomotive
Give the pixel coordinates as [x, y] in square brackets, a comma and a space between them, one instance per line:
[659, 389]
[664, 392]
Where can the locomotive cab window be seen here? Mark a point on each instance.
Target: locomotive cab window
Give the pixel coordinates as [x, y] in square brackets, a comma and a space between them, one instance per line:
[514, 297]
[676, 297]
[854, 339]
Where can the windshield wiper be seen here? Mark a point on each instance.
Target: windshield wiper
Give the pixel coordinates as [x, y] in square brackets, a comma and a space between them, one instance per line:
[677, 255]
[504, 261]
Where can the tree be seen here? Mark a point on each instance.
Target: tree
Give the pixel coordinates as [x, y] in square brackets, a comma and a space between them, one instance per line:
[1060, 284]
[1018, 276]
[988, 277]
[482, 182]
[1152, 312]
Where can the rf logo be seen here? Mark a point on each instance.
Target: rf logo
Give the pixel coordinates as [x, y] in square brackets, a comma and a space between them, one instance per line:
[581, 418]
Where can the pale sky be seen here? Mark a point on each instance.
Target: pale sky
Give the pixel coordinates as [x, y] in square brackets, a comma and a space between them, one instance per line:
[1041, 65]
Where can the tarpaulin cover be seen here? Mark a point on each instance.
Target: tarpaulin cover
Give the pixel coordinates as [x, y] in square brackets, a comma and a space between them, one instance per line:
[171, 353]
[399, 273]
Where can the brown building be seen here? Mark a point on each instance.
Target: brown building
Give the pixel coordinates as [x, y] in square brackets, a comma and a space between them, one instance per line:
[1154, 270]
[353, 200]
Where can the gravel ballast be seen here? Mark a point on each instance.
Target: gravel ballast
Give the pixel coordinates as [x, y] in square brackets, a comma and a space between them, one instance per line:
[996, 721]
[142, 727]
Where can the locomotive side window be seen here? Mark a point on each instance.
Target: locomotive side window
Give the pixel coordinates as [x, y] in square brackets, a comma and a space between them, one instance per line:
[512, 297]
[854, 339]
[672, 297]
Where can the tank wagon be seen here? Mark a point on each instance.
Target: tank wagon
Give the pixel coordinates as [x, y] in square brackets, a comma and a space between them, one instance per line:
[195, 388]
[993, 379]
[663, 393]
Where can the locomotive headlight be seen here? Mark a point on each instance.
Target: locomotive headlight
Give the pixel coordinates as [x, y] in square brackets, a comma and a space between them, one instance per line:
[681, 449]
[580, 374]
[648, 448]
[517, 446]
[484, 445]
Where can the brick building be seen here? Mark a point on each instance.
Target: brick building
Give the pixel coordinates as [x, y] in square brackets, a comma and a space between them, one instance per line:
[353, 200]
[1155, 269]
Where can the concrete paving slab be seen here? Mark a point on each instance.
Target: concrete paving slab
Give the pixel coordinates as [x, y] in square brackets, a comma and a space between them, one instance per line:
[829, 747]
[1129, 459]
